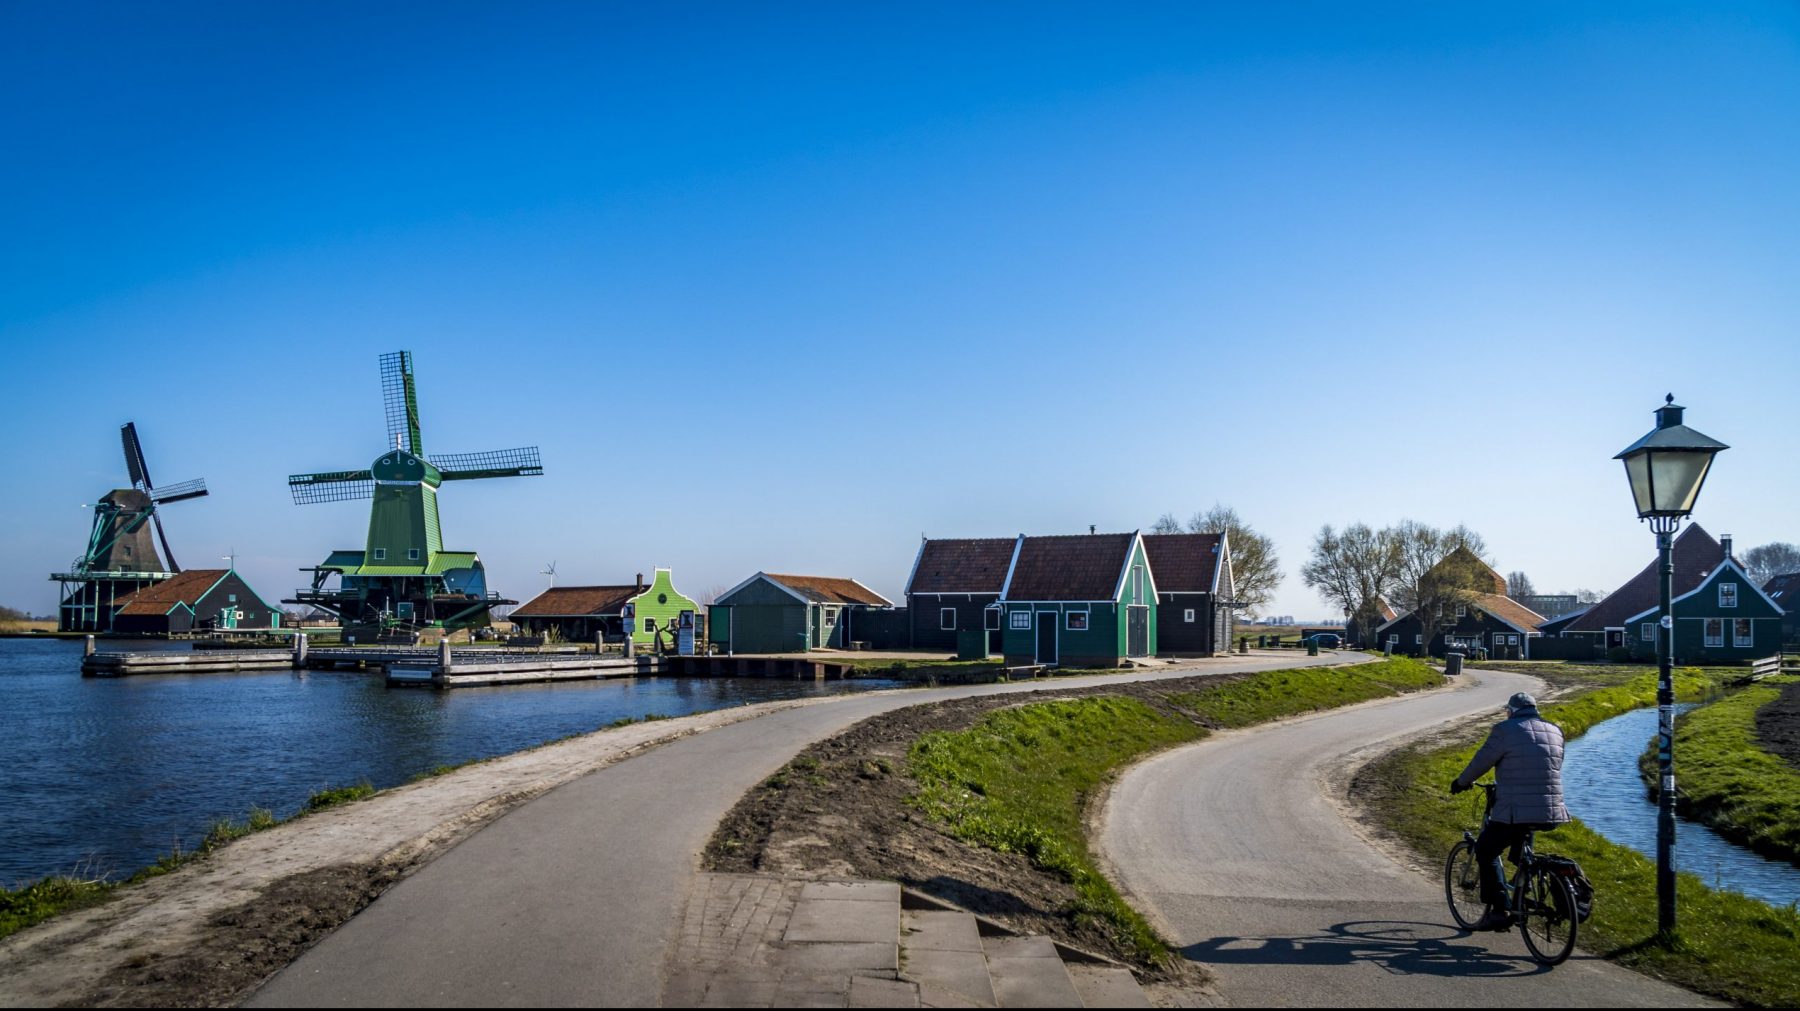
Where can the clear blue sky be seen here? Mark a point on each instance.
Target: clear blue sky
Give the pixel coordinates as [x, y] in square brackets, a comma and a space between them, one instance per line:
[783, 286]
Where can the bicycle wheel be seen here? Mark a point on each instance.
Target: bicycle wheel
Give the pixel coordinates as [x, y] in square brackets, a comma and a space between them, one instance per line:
[1462, 885]
[1546, 910]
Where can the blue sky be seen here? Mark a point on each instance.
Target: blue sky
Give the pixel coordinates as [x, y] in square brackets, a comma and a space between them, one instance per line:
[781, 287]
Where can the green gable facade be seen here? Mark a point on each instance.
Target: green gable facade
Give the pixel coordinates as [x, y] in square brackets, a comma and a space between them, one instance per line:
[773, 613]
[1086, 623]
[658, 610]
[1726, 619]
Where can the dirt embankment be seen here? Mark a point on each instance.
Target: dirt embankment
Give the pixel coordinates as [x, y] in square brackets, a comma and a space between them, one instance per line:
[210, 932]
[1778, 725]
[839, 808]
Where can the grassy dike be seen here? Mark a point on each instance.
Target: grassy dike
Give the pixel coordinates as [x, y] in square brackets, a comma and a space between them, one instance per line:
[1020, 779]
[1729, 782]
[60, 893]
[1728, 945]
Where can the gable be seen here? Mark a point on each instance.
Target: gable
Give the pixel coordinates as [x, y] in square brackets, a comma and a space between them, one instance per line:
[1187, 563]
[1704, 600]
[1695, 555]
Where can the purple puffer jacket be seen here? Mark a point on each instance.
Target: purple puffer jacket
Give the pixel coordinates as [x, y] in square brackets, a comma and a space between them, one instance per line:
[1526, 754]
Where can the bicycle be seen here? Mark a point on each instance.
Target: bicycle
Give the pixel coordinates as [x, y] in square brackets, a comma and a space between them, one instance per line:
[1545, 894]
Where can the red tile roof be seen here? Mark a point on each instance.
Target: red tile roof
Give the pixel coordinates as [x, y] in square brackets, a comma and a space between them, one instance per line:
[1696, 554]
[1184, 563]
[1075, 567]
[185, 588]
[962, 565]
[1509, 610]
[831, 590]
[577, 601]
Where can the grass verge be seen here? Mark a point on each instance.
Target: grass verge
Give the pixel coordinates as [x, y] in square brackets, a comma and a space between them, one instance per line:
[1729, 782]
[1728, 946]
[1020, 779]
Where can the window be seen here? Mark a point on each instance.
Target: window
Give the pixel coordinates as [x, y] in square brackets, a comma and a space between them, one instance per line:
[1647, 631]
[1740, 632]
[831, 617]
[1077, 621]
[1462, 610]
[1187, 615]
[380, 554]
[231, 598]
[1419, 640]
[1021, 619]
[1715, 631]
[412, 554]
[947, 618]
[1727, 594]
[649, 624]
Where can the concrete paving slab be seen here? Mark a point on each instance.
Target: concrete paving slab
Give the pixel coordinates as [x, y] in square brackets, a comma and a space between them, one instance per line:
[870, 891]
[940, 931]
[813, 990]
[1106, 986]
[1027, 972]
[839, 956]
[961, 972]
[868, 992]
[844, 920]
[937, 996]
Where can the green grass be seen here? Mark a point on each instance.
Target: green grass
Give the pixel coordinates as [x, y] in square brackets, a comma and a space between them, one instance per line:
[1564, 674]
[1274, 694]
[331, 797]
[1017, 782]
[1728, 945]
[1729, 782]
[874, 667]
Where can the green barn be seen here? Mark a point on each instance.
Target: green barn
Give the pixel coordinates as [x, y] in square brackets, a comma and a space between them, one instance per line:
[774, 613]
[1078, 601]
[1726, 619]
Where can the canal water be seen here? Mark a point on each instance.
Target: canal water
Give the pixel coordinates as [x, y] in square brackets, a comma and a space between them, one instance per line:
[107, 775]
[1600, 780]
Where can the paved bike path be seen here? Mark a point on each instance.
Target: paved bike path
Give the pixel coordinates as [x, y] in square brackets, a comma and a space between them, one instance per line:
[575, 897]
[1235, 847]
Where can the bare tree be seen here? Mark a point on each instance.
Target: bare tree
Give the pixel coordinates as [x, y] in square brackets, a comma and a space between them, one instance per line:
[1766, 561]
[1255, 568]
[1166, 524]
[1518, 584]
[1440, 571]
[1354, 569]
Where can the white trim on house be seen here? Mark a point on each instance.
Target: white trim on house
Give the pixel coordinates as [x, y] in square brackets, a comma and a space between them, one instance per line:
[914, 574]
[764, 576]
[1705, 581]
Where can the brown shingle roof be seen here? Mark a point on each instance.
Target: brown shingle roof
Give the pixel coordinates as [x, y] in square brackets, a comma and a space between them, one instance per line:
[1695, 555]
[577, 601]
[1183, 563]
[1784, 590]
[1076, 567]
[185, 588]
[831, 590]
[962, 565]
[1509, 610]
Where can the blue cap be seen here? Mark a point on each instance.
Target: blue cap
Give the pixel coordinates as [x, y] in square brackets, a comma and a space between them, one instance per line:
[1520, 700]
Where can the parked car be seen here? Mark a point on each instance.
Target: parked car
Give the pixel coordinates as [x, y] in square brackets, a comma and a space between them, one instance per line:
[1325, 640]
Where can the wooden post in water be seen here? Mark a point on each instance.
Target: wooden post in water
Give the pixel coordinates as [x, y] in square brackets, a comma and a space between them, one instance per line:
[444, 655]
[88, 647]
[299, 649]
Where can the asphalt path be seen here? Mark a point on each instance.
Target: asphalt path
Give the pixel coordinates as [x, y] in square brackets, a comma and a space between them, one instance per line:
[575, 898]
[1237, 849]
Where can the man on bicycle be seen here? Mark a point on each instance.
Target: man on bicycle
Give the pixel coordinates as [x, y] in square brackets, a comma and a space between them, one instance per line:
[1526, 754]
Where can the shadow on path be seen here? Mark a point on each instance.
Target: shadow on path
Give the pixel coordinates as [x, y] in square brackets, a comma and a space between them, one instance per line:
[1401, 947]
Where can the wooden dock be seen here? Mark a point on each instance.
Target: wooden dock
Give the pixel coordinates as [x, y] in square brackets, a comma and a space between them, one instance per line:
[486, 671]
[114, 665]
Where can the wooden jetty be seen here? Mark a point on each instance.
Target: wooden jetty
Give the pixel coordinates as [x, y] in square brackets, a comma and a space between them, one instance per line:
[486, 669]
[113, 665]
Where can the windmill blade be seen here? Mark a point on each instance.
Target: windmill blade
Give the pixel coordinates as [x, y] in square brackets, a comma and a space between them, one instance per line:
[177, 492]
[521, 462]
[164, 538]
[134, 456]
[332, 486]
[400, 402]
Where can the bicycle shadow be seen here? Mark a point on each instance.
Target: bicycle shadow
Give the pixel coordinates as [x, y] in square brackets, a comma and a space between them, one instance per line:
[1401, 947]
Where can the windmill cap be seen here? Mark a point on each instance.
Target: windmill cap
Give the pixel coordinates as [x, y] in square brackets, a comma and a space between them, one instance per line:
[1520, 701]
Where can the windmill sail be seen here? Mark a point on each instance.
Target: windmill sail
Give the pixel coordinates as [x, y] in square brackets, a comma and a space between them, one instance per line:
[134, 456]
[331, 486]
[179, 492]
[521, 462]
[400, 402]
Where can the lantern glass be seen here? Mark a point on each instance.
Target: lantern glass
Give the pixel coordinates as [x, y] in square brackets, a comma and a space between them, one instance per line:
[1665, 482]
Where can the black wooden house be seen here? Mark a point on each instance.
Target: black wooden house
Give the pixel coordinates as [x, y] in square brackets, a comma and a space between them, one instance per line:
[1194, 590]
[954, 584]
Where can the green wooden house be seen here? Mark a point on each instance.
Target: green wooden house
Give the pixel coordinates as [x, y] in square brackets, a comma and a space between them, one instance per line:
[579, 613]
[1079, 601]
[1726, 619]
[774, 613]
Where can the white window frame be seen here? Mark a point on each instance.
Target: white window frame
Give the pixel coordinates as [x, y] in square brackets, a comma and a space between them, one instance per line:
[1020, 621]
[1069, 621]
[1462, 610]
[1728, 594]
[381, 554]
[1647, 631]
[1187, 615]
[829, 616]
[990, 619]
[1749, 639]
[946, 619]
[412, 554]
[1710, 637]
[1419, 639]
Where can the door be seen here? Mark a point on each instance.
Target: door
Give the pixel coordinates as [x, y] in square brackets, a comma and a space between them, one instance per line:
[1137, 631]
[1046, 637]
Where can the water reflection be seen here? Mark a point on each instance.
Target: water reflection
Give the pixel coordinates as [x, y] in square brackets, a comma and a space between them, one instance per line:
[117, 772]
[1600, 777]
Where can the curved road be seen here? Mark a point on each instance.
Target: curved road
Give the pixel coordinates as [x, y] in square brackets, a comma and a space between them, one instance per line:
[575, 897]
[1236, 848]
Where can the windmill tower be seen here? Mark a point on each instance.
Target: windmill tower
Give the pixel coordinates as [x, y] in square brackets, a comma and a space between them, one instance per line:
[121, 557]
[404, 576]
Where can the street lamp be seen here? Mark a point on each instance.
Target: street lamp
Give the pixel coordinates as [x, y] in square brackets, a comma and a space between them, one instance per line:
[1666, 469]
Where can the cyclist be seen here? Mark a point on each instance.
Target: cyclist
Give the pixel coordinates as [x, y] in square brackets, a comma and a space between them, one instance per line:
[1526, 753]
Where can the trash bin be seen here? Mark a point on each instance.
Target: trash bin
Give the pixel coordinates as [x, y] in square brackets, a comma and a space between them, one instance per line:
[1453, 663]
[1243, 644]
[1262, 642]
[1312, 647]
[972, 644]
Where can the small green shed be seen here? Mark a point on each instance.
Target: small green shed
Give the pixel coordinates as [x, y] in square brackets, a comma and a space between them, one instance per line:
[775, 613]
[1087, 600]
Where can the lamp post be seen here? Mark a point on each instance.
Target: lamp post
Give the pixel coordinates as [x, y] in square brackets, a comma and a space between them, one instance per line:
[1666, 469]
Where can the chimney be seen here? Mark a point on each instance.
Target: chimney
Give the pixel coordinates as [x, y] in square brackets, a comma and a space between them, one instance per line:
[640, 582]
[1091, 529]
[1725, 542]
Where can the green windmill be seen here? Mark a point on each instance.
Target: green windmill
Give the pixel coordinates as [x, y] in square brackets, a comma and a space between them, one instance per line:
[404, 577]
